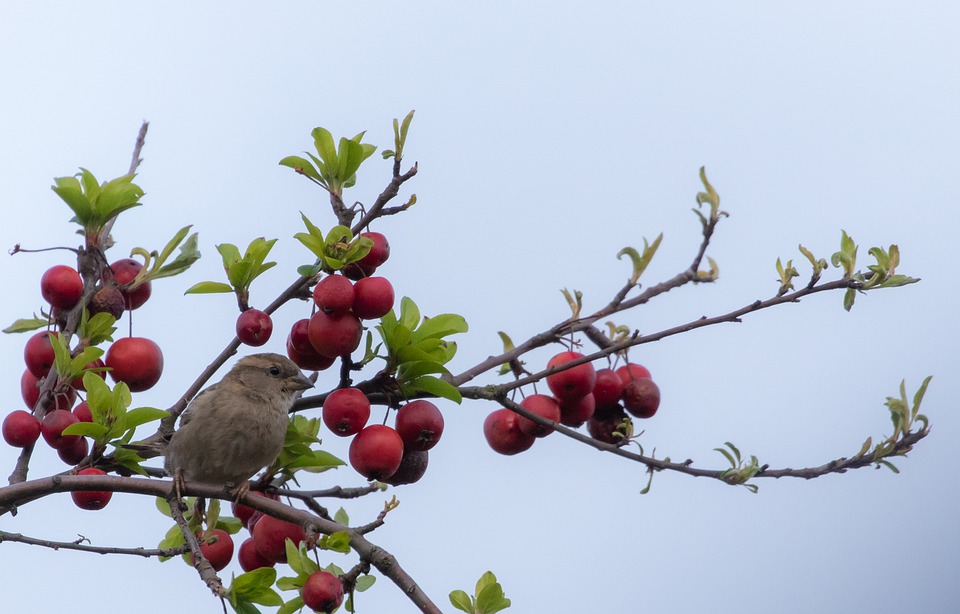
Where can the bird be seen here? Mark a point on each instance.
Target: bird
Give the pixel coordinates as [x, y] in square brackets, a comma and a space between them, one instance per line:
[237, 426]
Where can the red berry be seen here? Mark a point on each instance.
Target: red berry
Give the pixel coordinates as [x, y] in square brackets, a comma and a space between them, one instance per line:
[254, 327]
[136, 361]
[61, 286]
[641, 397]
[52, 425]
[20, 429]
[73, 452]
[502, 431]
[310, 359]
[543, 406]
[249, 558]
[124, 271]
[38, 353]
[334, 334]
[576, 412]
[322, 592]
[91, 499]
[608, 388]
[217, 547]
[29, 389]
[83, 413]
[631, 371]
[373, 298]
[346, 411]
[420, 425]
[357, 271]
[334, 294]
[270, 535]
[379, 253]
[412, 467]
[376, 452]
[573, 383]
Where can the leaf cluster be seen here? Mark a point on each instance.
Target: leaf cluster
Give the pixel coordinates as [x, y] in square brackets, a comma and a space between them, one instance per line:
[95, 204]
[488, 597]
[155, 263]
[334, 167]
[335, 251]
[298, 451]
[240, 270]
[417, 350]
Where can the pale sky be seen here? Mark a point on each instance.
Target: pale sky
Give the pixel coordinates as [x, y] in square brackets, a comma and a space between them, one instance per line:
[549, 136]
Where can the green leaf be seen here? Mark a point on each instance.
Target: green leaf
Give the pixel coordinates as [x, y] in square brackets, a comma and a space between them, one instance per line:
[435, 386]
[87, 429]
[26, 325]
[461, 601]
[301, 165]
[440, 326]
[143, 415]
[209, 287]
[323, 141]
[491, 599]
[364, 582]
[487, 579]
[341, 517]
[294, 605]
[918, 397]
[338, 542]
[409, 313]
[848, 297]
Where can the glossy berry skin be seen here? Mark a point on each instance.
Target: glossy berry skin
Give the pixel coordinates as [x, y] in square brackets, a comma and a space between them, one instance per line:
[52, 425]
[632, 371]
[543, 406]
[346, 411]
[503, 434]
[217, 547]
[334, 334]
[357, 271]
[641, 397]
[61, 286]
[420, 425]
[373, 298]
[576, 412]
[137, 361]
[412, 467]
[270, 535]
[322, 592]
[334, 294]
[249, 558]
[20, 429]
[254, 327]
[244, 512]
[573, 383]
[73, 452]
[38, 353]
[608, 388]
[379, 253]
[82, 412]
[124, 271]
[376, 452]
[308, 359]
[91, 499]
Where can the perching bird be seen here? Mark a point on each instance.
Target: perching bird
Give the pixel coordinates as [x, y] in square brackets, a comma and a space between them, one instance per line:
[236, 427]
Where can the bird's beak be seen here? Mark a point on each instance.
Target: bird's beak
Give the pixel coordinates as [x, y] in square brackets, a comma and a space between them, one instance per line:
[299, 383]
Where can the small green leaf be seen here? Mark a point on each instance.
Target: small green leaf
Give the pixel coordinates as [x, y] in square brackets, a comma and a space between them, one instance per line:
[848, 297]
[341, 517]
[435, 386]
[461, 601]
[364, 582]
[26, 325]
[209, 287]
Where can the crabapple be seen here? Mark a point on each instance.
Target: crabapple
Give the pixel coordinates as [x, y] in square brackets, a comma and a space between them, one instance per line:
[309, 358]
[608, 429]
[632, 371]
[77, 382]
[543, 406]
[250, 558]
[334, 334]
[108, 299]
[334, 294]
[572, 383]
[136, 361]
[576, 412]
[376, 452]
[91, 499]
[52, 425]
[38, 353]
[608, 388]
[73, 452]
[641, 397]
[254, 327]
[322, 592]
[20, 429]
[124, 272]
[346, 411]
[379, 253]
[270, 535]
[412, 467]
[502, 432]
[373, 298]
[82, 412]
[61, 286]
[420, 425]
[217, 547]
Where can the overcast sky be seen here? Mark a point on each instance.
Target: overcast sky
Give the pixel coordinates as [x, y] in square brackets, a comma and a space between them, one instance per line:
[549, 135]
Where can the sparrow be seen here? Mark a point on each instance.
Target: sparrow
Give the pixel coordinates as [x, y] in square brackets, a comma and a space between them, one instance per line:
[236, 427]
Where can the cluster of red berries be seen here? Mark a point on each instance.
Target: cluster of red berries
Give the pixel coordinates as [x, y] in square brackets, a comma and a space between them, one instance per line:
[581, 394]
[378, 452]
[134, 360]
[322, 592]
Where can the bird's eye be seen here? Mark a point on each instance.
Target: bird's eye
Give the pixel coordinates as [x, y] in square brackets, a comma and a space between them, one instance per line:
[274, 370]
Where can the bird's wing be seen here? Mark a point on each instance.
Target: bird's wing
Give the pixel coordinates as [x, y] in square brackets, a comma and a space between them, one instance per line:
[196, 405]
